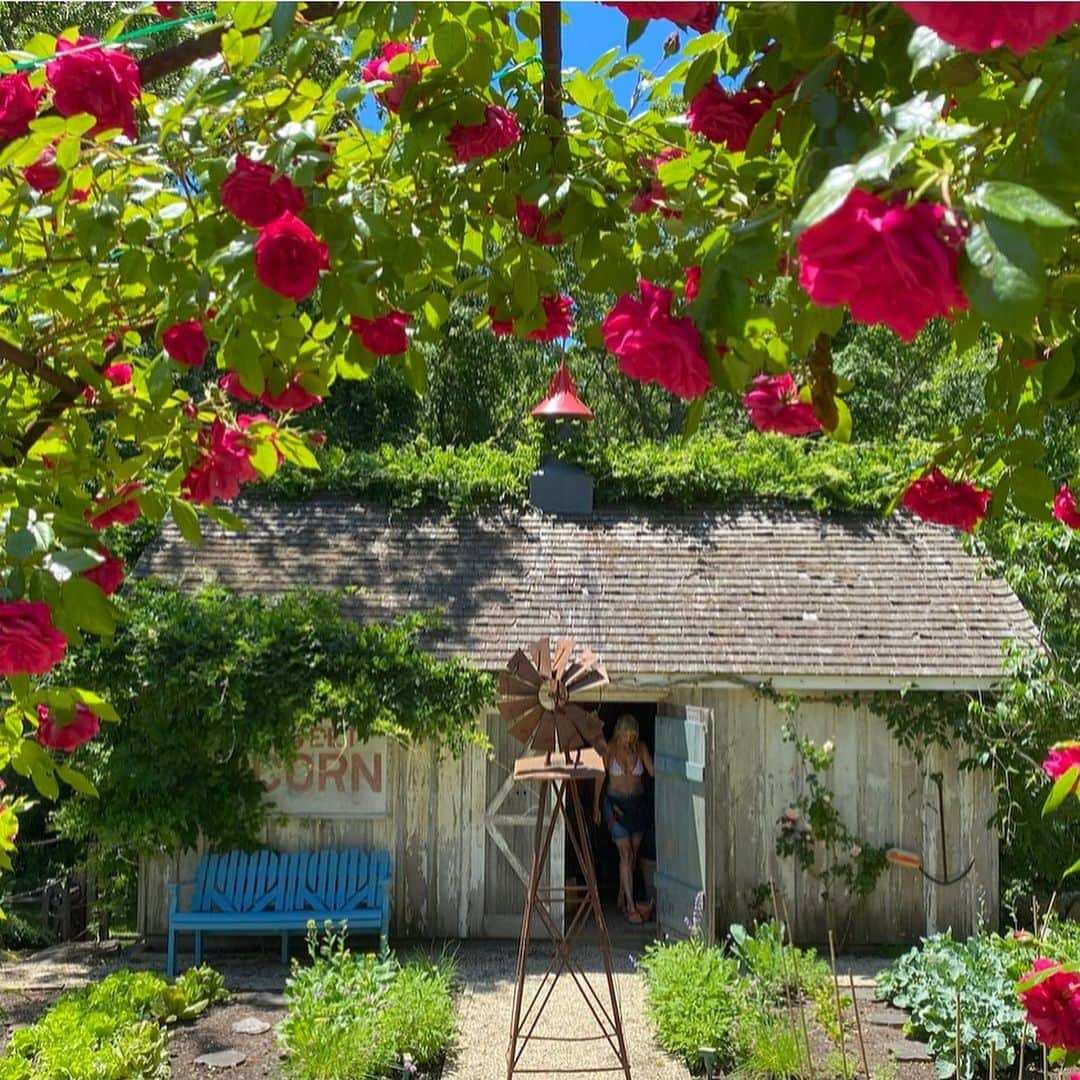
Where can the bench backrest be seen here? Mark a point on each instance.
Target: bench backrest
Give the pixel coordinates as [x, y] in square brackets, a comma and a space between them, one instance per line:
[328, 880]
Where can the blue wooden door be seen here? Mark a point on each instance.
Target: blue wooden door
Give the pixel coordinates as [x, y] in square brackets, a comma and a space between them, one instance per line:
[684, 827]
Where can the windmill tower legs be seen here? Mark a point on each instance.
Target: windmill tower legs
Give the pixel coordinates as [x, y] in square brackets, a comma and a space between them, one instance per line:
[604, 1006]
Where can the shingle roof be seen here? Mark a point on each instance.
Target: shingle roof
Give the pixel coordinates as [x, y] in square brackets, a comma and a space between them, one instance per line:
[753, 591]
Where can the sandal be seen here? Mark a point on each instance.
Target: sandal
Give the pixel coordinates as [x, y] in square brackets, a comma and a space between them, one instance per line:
[634, 916]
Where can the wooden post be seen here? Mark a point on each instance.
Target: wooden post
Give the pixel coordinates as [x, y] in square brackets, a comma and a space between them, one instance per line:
[858, 1027]
[839, 1010]
[551, 54]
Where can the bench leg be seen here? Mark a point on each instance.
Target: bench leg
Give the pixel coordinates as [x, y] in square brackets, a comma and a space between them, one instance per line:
[170, 965]
[285, 949]
[198, 948]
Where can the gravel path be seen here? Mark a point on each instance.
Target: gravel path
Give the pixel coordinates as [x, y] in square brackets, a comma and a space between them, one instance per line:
[487, 970]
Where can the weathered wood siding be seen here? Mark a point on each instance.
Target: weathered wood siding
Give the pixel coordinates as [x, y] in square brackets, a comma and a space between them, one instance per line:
[882, 795]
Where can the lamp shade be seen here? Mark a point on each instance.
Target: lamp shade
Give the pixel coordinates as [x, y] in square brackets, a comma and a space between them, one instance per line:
[562, 402]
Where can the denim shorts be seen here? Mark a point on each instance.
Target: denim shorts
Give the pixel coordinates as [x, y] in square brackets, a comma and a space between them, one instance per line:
[626, 815]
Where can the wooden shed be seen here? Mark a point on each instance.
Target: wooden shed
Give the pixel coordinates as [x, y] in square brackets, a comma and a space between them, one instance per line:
[692, 612]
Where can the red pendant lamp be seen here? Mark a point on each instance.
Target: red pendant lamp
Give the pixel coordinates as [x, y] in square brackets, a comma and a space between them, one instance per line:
[562, 402]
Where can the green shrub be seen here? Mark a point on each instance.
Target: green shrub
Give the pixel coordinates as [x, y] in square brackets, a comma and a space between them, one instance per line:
[769, 1048]
[779, 970]
[695, 996]
[19, 932]
[106, 1031]
[983, 970]
[357, 1017]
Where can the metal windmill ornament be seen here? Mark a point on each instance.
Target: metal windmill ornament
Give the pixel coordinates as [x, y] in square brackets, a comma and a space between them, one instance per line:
[536, 690]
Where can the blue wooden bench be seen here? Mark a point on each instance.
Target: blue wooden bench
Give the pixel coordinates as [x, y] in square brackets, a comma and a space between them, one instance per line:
[267, 892]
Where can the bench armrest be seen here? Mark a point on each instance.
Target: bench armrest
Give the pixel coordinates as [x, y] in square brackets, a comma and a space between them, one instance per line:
[174, 894]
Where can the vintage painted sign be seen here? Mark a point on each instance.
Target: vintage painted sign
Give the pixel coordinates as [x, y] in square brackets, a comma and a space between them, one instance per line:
[333, 775]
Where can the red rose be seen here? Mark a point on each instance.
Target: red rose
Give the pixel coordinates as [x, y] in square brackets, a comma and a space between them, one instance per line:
[978, 27]
[1053, 1006]
[168, 10]
[652, 346]
[186, 343]
[83, 727]
[653, 196]
[727, 118]
[941, 501]
[316, 438]
[252, 195]
[102, 82]
[558, 320]
[535, 225]
[18, 105]
[225, 464]
[29, 643]
[294, 398]
[118, 374]
[79, 195]
[231, 384]
[108, 576]
[385, 335]
[700, 17]
[1065, 508]
[378, 70]
[886, 261]
[289, 256]
[44, 175]
[773, 405]
[1060, 758]
[123, 511]
[693, 282]
[498, 131]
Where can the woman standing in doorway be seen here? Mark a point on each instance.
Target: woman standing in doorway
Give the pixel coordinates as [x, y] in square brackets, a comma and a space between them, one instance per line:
[625, 810]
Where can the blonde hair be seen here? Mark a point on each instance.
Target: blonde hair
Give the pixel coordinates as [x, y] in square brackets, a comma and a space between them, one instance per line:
[626, 730]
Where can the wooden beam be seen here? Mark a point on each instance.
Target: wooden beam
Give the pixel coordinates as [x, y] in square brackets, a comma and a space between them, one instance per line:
[551, 54]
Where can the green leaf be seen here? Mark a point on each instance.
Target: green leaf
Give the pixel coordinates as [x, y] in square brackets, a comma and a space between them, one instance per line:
[701, 71]
[65, 564]
[1016, 202]
[263, 459]
[450, 43]
[1062, 789]
[1003, 277]
[693, 417]
[76, 780]
[634, 29]
[1032, 492]
[250, 15]
[44, 779]
[842, 431]
[96, 704]
[1072, 869]
[925, 49]
[187, 521]
[834, 189]
[87, 606]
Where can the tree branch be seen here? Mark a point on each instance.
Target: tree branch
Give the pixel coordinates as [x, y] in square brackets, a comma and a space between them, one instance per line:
[551, 54]
[34, 365]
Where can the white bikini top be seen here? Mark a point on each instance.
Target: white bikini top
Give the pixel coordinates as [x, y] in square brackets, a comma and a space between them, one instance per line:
[617, 769]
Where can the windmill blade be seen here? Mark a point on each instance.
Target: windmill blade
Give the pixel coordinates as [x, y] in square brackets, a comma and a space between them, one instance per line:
[588, 724]
[541, 655]
[588, 680]
[523, 667]
[564, 649]
[569, 738]
[511, 709]
[525, 728]
[543, 739]
[514, 686]
[585, 667]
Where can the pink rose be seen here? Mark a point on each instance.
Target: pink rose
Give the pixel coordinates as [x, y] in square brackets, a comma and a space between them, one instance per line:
[979, 26]
[231, 384]
[124, 508]
[536, 225]
[18, 105]
[44, 175]
[102, 82]
[1060, 758]
[294, 398]
[186, 343]
[385, 335]
[225, 464]
[942, 502]
[168, 10]
[654, 195]
[1053, 1006]
[693, 282]
[252, 195]
[498, 131]
[118, 374]
[1065, 507]
[652, 346]
[558, 320]
[29, 643]
[83, 727]
[700, 17]
[727, 118]
[378, 70]
[773, 405]
[289, 256]
[108, 576]
[888, 262]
